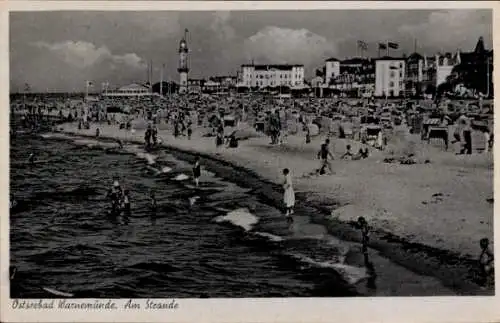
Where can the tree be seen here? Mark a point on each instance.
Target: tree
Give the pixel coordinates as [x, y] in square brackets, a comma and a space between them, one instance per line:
[473, 73]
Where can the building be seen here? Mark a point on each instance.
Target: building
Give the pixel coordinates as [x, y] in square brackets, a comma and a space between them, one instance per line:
[332, 70]
[425, 74]
[389, 77]
[262, 76]
[226, 82]
[131, 90]
[183, 68]
[355, 77]
[211, 86]
[476, 69]
[414, 78]
[195, 85]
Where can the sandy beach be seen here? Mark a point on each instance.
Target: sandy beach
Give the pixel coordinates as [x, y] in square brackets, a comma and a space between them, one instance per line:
[427, 210]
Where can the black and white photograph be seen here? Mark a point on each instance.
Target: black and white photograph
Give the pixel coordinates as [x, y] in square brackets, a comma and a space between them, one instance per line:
[194, 154]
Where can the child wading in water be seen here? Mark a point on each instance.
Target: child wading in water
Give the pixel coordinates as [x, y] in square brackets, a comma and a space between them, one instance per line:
[197, 171]
[152, 202]
[289, 195]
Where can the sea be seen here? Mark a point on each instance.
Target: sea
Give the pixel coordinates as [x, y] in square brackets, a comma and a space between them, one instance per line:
[198, 243]
[201, 242]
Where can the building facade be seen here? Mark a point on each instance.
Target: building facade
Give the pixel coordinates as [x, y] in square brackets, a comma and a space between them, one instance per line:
[332, 70]
[389, 77]
[131, 90]
[425, 74]
[195, 85]
[262, 76]
[355, 77]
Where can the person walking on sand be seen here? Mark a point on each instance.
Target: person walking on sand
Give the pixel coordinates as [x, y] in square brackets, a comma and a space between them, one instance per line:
[289, 194]
[323, 155]
[197, 171]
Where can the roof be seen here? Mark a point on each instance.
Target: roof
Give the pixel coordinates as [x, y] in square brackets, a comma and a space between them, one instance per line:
[332, 59]
[356, 60]
[133, 86]
[273, 66]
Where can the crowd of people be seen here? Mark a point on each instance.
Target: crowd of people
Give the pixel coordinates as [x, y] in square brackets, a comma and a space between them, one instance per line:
[276, 118]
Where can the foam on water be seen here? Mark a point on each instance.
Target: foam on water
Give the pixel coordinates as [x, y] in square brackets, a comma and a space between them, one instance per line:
[181, 177]
[351, 274]
[166, 169]
[56, 292]
[55, 136]
[193, 200]
[270, 236]
[239, 217]
[150, 158]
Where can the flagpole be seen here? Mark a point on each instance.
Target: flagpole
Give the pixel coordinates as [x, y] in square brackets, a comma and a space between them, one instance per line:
[387, 47]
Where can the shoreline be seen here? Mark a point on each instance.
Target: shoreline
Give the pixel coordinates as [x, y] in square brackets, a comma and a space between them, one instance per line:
[450, 268]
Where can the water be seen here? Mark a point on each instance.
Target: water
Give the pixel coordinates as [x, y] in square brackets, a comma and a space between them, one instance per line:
[200, 243]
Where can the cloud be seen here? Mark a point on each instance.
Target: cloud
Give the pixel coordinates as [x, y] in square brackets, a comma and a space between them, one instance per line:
[220, 25]
[67, 65]
[82, 54]
[452, 29]
[283, 45]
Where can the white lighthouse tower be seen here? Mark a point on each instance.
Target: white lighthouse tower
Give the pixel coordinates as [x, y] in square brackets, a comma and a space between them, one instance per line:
[183, 68]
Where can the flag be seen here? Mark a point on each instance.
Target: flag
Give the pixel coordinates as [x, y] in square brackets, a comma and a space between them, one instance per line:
[393, 45]
[186, 30]
[362, 45]
[27, 87]
[382, 46]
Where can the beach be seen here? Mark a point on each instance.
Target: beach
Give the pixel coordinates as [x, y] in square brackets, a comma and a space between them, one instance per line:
[428, 217]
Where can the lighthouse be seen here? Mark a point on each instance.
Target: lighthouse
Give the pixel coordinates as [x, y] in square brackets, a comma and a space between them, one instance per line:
[183, 68]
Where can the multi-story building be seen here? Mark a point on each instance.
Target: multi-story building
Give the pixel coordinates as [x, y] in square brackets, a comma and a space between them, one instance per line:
[195, 85]
[425, 74]
[271, 75]
[389, 76]
[355, 76]
[332, 70]
[226, 83]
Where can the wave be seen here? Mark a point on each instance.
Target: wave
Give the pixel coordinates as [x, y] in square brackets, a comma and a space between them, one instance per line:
[270, 236]
[351, 274]
[181, 177]
[154, 266]
[57, 293]
[79, 192]
[239, 217]
[150, 158]
[55, 136]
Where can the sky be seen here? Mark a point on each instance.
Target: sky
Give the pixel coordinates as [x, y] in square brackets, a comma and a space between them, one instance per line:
[58, 51]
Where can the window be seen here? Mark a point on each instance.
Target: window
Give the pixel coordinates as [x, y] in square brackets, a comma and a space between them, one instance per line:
[391, 84]
[393, 74]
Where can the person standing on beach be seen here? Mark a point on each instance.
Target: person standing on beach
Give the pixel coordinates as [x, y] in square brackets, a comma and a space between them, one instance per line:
[289, 195]
[323, 155]
[197, 171]
[219, 138]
